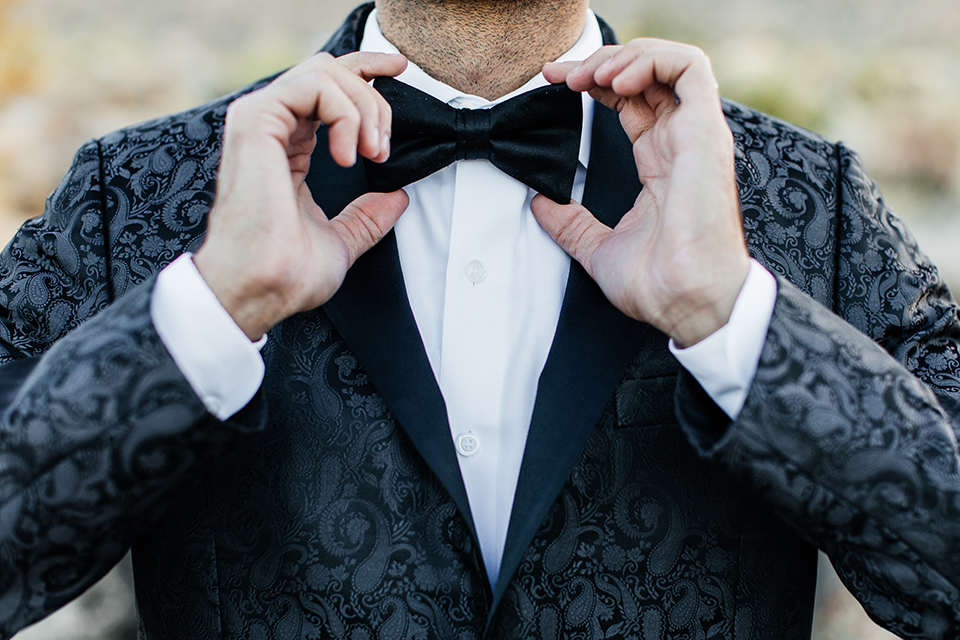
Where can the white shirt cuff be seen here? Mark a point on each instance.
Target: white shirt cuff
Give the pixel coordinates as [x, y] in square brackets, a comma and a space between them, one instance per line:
[725, 362]
[218, 360]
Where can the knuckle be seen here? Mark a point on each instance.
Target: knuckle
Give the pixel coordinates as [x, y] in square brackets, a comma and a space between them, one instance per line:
[364, 99]
[361, 230]
[243, 108]
[369, 230]
[347, 59]
[356, 63]
[320, 76]
[236, 108]
[573, 233]
[244, 103]
[318, 63]
[698, 55]
[351, 119]
[607, 51]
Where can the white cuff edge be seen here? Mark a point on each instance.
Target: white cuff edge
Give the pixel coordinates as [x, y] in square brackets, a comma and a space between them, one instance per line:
[725, 362]
[218, 360]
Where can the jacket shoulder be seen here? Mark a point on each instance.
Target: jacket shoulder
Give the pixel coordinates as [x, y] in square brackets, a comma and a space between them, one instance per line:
[158, 181]
[190, 127]
[788, 180]
[751, 127]
[206, 120]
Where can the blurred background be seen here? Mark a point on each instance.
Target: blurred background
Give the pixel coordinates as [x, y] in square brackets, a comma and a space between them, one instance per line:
[879, 74]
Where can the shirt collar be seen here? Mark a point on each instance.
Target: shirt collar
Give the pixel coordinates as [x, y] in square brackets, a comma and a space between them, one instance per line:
[590, 40]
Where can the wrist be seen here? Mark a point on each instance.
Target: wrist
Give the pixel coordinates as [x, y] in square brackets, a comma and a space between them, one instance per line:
[254, 308]
[699, 324]
[696, 316]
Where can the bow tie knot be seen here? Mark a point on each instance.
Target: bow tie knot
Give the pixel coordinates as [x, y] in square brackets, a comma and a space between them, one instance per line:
[473, 134]
[534, 138]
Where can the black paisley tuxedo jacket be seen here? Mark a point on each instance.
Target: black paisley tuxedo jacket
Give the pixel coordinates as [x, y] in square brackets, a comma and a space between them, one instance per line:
[332, 506]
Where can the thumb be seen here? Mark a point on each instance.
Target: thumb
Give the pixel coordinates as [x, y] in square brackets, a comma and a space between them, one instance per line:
[365, 221]
[571, 226]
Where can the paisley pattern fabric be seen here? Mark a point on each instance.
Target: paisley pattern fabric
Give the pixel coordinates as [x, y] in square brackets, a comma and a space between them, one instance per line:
[335, 529]
[312, 514]
[94, 440]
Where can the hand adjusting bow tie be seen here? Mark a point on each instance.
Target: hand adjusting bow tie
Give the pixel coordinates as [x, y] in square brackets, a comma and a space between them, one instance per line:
[534, 137]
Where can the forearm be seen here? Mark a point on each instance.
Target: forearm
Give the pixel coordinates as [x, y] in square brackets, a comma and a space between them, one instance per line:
[855, 453]
[94, 440]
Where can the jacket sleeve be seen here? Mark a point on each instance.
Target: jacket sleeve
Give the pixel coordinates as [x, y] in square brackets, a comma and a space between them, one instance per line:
[98, 428]
[849, 431]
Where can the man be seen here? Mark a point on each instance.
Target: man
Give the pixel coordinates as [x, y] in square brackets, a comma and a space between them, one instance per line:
[406, 458]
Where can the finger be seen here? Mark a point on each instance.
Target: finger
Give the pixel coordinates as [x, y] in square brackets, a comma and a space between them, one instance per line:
[572, 227]
[642, 64]
[297, 98]
[622, 56]
[386, 129]
[335, 109]
[558, 71]
[582, 78]
[366, 220]
[636, 116]
[371, 65]
[375, 114]
[323, 89]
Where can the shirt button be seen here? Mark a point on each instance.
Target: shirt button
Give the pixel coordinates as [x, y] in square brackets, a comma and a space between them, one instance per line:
[475, 271]
[467, 444]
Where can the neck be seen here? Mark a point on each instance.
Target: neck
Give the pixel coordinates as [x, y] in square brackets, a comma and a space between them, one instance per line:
[486, 48]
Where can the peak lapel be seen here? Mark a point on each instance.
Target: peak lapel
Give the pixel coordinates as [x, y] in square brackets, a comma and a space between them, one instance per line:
[593, 345]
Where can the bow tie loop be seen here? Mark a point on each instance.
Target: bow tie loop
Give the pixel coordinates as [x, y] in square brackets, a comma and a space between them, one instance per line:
[533, 137]
[473, 134]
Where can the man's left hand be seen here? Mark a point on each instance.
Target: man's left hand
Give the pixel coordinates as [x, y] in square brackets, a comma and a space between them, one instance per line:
[677, 259]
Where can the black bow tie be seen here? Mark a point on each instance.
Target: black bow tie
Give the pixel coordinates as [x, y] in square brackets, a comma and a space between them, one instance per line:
[534, 137]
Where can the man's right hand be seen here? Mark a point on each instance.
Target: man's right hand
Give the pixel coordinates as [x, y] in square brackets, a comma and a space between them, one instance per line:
[270, 251]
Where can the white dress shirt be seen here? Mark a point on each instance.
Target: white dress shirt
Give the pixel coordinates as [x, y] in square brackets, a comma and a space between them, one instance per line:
[485, 284]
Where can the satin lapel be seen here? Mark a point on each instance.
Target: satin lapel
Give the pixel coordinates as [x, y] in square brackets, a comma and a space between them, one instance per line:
[373, 315]
[593, 345]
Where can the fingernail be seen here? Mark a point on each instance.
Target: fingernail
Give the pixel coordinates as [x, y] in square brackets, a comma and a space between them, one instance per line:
[385, 144]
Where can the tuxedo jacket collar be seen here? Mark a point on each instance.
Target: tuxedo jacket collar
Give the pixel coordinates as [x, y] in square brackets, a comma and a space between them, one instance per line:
[593, 344]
